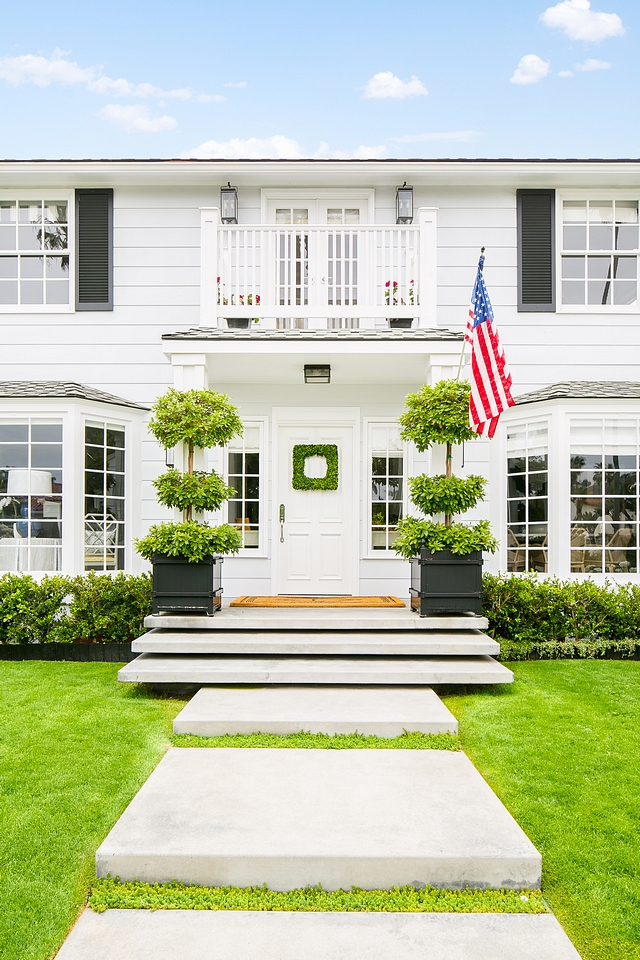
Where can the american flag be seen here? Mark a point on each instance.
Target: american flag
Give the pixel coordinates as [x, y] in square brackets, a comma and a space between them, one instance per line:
[490, 377]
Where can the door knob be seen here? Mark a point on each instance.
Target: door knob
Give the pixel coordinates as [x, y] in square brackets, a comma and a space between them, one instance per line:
[281, 523]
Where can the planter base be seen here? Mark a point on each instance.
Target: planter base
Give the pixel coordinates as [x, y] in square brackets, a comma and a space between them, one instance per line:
[180, 586]
[446, 582]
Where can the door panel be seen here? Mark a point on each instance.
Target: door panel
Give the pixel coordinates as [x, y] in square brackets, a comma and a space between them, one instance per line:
[320, 527]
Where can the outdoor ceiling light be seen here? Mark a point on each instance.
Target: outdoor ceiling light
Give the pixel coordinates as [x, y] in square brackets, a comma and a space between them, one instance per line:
[404, 204]
[317, 373]
[229, 204]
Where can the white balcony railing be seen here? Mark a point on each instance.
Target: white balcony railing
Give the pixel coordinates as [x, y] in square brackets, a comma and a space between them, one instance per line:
[361, 275]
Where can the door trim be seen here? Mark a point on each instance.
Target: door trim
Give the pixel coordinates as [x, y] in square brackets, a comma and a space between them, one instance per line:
[317, 417]
[367, 196]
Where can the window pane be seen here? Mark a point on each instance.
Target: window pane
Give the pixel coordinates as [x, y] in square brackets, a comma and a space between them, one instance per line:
[94, 434]
[620, 484]
[574, 238]
[115, 460]
[516, 465]
[8, 291]
[586, 481]
[537, 484]
[516, 511]
[599, 292]
[94, 483]
[55, 211]
[46, 432]
[115, 484]
[516, 486]
[600, 211]
[573, 268]
[8, 268]
[14, 431]
[537, 510]
[252, 463]
[235, 463]
[626, 238]
[14, 455]
[574, 211]
[572, 292]
[94, 458]
[625, 291]
[46, 455]
[301, 215]
[334, 215]
[251, 488]
[379, 466]
[601, 238]
[395, 466]
[115, 437]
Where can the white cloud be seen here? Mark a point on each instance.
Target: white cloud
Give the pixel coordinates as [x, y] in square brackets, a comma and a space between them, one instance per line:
[531, 69]
[580, 22]
[242, 84]
[565, 73]
[272, 148]
[136, 118]
[587, 65]
[461, 136]
[43, 71]
[383, 85]
[363, 152]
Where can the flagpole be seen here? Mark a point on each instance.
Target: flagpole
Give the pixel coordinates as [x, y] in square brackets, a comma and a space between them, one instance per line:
[464, 342]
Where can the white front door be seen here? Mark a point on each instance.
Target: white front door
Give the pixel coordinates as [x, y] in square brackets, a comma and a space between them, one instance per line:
[316, 540]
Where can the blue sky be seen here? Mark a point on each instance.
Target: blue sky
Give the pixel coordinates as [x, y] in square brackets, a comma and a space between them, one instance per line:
[336, 79]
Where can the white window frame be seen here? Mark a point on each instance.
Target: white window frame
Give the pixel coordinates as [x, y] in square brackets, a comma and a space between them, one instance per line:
[105, 423]
[527, 422]
[591, 308]
[368, 423]
[68, 197]
[221, 516]
[317, 200]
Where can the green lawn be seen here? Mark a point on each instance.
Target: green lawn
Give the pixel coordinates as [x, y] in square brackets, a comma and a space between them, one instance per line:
[75, 746]
[560, 748]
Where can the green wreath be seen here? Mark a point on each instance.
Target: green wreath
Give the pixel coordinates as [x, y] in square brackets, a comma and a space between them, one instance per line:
[301, 451]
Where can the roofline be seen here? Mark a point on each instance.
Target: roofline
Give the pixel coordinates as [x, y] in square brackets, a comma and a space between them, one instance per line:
[320, 160]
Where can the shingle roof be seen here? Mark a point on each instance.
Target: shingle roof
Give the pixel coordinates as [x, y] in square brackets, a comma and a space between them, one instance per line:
[222, 333]
[584, 390]
[60, 388]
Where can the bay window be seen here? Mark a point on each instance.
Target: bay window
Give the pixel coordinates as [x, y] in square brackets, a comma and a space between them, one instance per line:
[104, 504]
[527, 497]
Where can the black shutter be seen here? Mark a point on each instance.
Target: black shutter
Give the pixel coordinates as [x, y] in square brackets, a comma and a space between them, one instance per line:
[94, 246]
[536, 251]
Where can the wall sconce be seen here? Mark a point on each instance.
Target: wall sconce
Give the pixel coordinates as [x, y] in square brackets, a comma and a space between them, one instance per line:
[229, 204]
[317, 373]
[404, 204]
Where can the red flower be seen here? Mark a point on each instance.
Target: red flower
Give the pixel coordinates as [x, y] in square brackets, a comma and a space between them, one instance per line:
[257, 298]
[388, 283]
[218, 279]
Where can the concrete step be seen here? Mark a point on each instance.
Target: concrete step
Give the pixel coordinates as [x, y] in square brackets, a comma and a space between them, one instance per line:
[294, 818]
[383, 711]
[244, 935]
[339, 643]
[422, 671]
[239, 618]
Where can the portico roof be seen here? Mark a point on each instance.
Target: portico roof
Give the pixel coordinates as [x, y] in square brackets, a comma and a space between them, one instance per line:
[584, 390]
[261, 335]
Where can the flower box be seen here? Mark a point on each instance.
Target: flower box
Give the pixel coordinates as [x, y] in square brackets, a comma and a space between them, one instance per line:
[180, 586]
[446, 582]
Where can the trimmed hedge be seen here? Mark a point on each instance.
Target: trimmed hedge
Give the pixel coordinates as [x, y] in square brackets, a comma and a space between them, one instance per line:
[529, 617]
[548, 618]
[94, 608]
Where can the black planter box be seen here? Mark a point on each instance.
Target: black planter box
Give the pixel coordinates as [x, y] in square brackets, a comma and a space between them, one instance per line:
[180, 586]
[238, 323]
[76, 652]
[446, 582]
[401, 323]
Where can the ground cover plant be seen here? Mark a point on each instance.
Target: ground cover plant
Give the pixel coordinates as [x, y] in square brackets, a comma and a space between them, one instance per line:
[324, 741]
[560, 748]
[110, 894]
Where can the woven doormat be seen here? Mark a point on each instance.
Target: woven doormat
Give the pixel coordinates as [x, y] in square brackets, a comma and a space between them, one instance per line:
[317, 602]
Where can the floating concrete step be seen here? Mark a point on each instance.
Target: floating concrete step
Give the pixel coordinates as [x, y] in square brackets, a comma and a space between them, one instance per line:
[244, 935]
[340, 818]
[422, 671]
[383, 711]
[239, 618]
[341, 643]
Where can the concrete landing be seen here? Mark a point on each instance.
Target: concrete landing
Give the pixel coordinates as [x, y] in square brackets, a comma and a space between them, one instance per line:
[341, 643]
[244, 935]
[341, 818]
[383, 711]
[426, 671]
[239, 618]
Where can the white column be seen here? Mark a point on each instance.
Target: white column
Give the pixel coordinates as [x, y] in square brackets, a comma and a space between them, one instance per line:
[209, 220]
[428, 223]
[189, 371]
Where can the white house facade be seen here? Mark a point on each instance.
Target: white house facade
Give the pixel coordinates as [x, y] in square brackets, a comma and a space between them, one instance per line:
[119, 279]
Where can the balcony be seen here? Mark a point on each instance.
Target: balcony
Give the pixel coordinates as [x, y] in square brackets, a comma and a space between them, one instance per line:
[318, 276]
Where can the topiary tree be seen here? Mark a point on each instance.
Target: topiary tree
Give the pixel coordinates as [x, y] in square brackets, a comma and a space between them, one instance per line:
[440, 414]
[198, 419]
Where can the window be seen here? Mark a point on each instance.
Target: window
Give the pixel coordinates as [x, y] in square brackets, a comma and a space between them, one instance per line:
[527, 498]
[536, 250]
[104, 487]
[604, 496]
[30, 495]
[244, 476]
[600, 252]
[387, 487]
[34, 252]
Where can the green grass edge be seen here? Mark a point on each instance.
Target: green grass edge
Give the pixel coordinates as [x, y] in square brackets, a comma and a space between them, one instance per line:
[110, 894]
